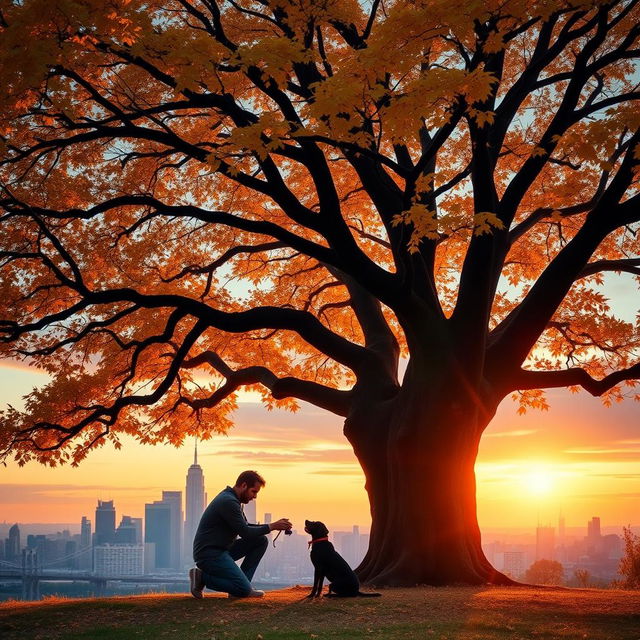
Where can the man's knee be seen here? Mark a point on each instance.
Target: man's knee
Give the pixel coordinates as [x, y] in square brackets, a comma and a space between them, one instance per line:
[263, 543]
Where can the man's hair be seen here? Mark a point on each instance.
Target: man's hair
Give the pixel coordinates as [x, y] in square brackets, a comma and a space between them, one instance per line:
[250, 478]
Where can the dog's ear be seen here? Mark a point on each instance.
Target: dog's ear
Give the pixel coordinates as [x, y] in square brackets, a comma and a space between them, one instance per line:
[322, 529]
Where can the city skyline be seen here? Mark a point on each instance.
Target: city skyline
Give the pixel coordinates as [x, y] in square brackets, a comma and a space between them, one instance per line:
[593, 546]
[158, 545]
[578, 457]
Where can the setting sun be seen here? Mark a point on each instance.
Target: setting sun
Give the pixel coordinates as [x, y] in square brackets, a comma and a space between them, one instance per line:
[539, 479]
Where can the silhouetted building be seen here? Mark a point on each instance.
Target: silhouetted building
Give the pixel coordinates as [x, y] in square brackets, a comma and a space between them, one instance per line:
[174, 499]
[545, 543]
[54, 552]
[137, 523]
[126, 533]
[105, 523]
[12, 547]
[157, 530]
[351, 546]
[85, 532]
[594, 538]
[195, 503]
[85, 558]
[514, 563]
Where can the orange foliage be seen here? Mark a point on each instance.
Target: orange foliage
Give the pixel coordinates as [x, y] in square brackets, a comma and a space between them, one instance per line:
[203, 197]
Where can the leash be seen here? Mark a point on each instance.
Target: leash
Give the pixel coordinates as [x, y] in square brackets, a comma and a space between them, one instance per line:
[277, 536]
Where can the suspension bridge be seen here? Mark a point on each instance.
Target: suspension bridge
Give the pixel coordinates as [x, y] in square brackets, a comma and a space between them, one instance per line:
[31, 573]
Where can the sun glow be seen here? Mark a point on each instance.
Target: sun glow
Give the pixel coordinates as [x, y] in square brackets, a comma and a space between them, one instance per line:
[539, 480]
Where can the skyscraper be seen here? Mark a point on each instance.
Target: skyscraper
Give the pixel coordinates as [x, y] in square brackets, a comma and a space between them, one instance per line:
[157, 526]
[594, 537]
[194, 504]
[85, 559]
[105, 522]
[545, 543]
[126, 533]
[593, 529]
[163, 527]
[174, 499]
[85, 532]
[12, 545]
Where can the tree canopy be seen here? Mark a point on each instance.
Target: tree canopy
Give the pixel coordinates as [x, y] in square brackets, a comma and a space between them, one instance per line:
[205, 196]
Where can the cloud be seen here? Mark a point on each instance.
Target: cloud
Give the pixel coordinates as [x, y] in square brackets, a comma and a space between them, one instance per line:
[604, 454]
[61, 493]
[20, 365]
[608, 496]
[294, 456]
[621, 476]
[345, 470]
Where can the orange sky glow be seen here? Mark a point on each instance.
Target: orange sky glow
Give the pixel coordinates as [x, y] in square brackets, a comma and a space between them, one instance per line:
[579, 457]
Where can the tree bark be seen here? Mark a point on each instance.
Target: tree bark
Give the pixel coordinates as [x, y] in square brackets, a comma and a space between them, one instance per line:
[418, 454]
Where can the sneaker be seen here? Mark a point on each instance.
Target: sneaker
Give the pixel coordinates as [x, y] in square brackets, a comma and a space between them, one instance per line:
[196, 583]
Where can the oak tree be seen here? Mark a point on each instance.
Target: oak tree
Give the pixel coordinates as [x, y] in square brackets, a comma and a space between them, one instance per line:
[200, 197]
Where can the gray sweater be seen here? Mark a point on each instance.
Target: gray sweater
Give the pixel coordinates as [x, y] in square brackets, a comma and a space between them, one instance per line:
[221, 523]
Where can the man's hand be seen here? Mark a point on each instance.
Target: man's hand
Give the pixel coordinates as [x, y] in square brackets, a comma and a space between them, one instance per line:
[281, 525]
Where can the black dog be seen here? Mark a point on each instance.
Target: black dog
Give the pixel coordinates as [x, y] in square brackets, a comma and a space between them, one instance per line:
[328, 563]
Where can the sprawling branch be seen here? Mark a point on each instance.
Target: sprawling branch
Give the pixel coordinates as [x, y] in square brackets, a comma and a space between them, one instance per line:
[574, 377]
[623, 265]
[107, 415]
[333, 400]
[514, 338]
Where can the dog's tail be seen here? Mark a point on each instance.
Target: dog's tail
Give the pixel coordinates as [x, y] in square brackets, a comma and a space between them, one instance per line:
[371, 594]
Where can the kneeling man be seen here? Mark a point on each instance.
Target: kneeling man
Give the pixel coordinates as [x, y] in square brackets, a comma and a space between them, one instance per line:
[216, 545]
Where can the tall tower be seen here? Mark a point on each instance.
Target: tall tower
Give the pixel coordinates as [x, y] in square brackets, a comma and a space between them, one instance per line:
[174, 500]
[85, 560]
[545, 543]
[85, 533]
[105, 522]
[13, 547]
[195, 504]
[593, 528]
[157, 528]
[126, 533]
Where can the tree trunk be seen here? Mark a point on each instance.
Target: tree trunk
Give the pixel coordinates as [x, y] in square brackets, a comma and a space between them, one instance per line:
[418, 454]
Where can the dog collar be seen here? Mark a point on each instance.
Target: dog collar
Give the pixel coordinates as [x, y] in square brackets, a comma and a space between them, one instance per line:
[318, 540]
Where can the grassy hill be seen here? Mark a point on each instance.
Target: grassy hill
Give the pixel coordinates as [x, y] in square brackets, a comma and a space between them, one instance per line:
[453, 613]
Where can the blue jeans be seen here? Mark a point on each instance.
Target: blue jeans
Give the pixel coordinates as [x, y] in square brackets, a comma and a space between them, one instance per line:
[221, 573]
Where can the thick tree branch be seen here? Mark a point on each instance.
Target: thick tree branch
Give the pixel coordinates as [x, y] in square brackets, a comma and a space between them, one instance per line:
[333, 400]
[516, 335]
[623, 265]
[107, 415]
[577, 377]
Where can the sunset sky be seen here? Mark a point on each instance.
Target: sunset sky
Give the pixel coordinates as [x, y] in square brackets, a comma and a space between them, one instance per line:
[579, 457]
